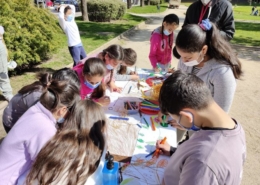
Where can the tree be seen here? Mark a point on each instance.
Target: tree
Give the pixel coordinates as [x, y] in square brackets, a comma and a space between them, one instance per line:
[84, 10]
[148, 2]
[129, 4]
[141, 3]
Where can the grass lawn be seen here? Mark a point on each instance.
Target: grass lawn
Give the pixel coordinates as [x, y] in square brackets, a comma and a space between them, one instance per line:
[148, 9]
[92, 38]
[243, 13]
[247, 34]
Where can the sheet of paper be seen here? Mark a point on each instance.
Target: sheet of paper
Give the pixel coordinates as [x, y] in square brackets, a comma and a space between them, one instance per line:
[149, 171]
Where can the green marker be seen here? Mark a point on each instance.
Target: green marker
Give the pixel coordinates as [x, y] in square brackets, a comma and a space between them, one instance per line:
[164, 124]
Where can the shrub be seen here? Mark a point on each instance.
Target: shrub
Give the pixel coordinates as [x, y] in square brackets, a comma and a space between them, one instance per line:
[105, 10]
[153, 2]
[29, 31]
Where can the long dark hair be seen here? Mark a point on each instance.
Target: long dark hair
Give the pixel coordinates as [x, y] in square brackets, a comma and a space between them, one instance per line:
[169, 19]
[75, 150]
[192, 39]
[44, 80]
[60, 93]
[130, 58]
[95, 67]
[115, 52]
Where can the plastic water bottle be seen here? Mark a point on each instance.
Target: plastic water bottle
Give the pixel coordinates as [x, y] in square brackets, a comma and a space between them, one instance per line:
[110, 171]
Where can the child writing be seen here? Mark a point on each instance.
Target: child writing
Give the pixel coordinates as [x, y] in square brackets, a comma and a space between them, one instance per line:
[91, 74]
[123, 72]
[161, 43]
[69, 26]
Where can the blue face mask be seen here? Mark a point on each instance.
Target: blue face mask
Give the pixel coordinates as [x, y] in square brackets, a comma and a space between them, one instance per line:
[91, 86]
[70, 18]
[109, 67]
[60, 120]
[193, 127]
[166, 32]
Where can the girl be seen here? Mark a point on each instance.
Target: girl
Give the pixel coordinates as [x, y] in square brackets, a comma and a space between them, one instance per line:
[112, 57]
[161, 43]
[30, 95]
[34, 129]
[69, 26]
[76, 153]
[91, 74]
[5, 86]
[123, 72]
[205, 53]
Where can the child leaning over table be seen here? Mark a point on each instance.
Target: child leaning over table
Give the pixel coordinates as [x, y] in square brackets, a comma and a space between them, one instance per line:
[216, 152]
[123, 72]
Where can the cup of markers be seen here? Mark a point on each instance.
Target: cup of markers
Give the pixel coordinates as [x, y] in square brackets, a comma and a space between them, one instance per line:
[131, 107]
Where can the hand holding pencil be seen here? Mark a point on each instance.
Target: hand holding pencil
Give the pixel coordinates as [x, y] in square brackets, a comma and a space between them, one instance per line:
[164, 148]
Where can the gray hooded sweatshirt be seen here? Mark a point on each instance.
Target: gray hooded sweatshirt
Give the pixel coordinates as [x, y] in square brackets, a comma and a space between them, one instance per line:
[219, 78]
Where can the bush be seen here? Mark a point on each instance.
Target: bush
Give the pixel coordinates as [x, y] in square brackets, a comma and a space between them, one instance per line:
[153, 2]
[105, 10]
[29, 31]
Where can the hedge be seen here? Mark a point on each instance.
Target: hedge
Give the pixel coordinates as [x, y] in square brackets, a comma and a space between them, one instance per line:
[153, 2]
[105, 10]
[29, 31]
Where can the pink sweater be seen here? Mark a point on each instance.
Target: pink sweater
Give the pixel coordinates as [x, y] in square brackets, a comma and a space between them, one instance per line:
[158, 53]
[84, 90]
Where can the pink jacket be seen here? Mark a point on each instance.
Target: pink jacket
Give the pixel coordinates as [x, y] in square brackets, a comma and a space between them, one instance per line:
[158, 53]
[84, 90]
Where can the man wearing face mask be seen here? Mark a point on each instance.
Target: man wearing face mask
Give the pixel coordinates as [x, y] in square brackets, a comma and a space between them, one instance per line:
[219, 12]
[69, 26]
[216, 152]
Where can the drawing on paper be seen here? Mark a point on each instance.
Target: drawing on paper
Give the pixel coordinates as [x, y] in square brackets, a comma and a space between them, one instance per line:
[121, 137]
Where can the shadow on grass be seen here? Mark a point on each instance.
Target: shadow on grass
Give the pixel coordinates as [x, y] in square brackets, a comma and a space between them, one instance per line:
[245, 26]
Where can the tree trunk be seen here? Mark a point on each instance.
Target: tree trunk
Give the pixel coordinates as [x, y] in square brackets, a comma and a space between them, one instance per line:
[84, 10]
[148, 2]
[129, 4]
[141, 3]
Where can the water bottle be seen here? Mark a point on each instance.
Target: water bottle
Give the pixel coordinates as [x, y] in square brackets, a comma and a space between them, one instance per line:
[110, 171]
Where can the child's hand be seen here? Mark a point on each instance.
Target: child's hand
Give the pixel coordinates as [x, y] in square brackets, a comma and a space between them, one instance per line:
[134, 77]
[105, 101]
[164, 148]
[156, 70]
[133, 73]
[172, 70]
[114, 88]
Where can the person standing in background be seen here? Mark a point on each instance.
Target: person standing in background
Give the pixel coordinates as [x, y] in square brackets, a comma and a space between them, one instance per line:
[219, 12]
[5, 86]
[69, 26]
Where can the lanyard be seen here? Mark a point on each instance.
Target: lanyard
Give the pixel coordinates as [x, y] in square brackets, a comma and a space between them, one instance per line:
[203, 11]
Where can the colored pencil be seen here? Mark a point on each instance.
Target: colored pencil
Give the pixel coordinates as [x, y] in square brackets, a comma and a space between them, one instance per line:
[157, 151]
[146, 122]
[129, 89]
[120, 118]
[152, 124]
[150, 154]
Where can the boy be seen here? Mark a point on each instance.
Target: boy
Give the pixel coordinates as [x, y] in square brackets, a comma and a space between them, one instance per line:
[216, 152]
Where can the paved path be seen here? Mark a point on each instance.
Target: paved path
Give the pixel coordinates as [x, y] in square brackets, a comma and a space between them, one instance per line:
[246, 105]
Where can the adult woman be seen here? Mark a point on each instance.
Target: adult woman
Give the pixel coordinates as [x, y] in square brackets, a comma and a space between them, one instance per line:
[30, 95]
[75, 151]
[34, 129]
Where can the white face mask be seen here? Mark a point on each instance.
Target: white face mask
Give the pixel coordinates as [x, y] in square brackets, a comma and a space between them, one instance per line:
[205, 2]
[193, 62]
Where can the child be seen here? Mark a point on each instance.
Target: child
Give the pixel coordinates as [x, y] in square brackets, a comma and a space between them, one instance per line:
[112, 57]
[69, 26]
[123, 72]
[77, 151]
[216, 152]
[30, 95]
[91, 74]
[34, 129]
[5, 86]
[161, 43]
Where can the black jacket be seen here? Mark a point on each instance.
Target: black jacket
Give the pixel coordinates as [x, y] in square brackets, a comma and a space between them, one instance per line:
[221, 14]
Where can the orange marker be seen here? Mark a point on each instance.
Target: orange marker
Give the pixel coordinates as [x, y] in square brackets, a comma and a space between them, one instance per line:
[157, 151]
[152, 124]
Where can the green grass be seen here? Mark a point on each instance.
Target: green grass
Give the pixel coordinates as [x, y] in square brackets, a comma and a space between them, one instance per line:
[91, 39]
[243, 13]
[148, 9]
[247, 34]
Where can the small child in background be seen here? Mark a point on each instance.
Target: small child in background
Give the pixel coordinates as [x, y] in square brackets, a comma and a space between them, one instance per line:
[123, 72]
[161, 43]
[91, 75]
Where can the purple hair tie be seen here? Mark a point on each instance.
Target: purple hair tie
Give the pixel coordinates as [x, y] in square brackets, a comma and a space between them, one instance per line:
[205, 25]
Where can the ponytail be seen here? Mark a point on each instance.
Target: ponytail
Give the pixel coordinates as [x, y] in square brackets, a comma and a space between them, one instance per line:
[193, 37]
[59, 93]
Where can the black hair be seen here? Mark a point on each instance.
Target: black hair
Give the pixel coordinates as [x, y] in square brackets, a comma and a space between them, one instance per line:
[66, 9]
[182, 90]
[67, 74]
[169, 19]
[192, 38]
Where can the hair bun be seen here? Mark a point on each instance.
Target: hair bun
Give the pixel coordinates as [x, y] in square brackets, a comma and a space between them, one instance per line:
[205, 25]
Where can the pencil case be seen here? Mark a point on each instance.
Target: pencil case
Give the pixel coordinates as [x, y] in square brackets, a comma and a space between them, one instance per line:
[131, 107]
